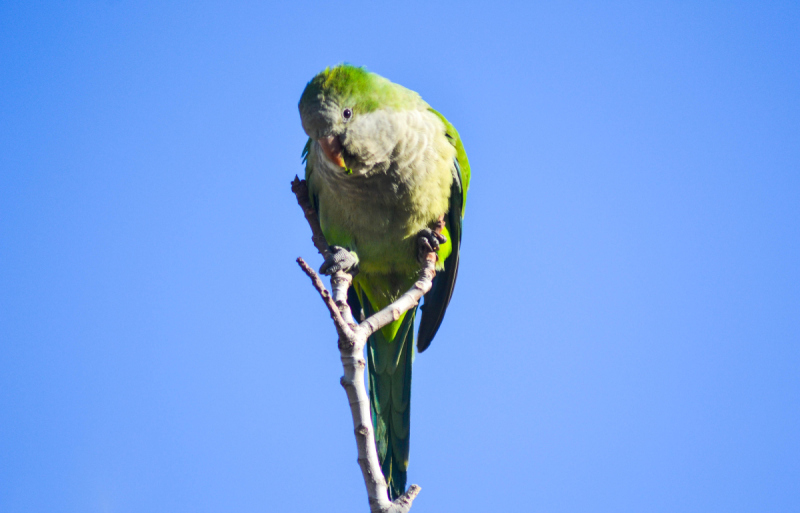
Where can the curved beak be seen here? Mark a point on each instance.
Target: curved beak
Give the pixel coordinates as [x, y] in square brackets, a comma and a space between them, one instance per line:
[332, 148]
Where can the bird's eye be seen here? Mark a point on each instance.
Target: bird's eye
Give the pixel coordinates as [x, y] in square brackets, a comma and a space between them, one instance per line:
[347, 114]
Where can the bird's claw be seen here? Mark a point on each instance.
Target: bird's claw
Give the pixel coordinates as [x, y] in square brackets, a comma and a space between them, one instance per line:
[429, 241]
[340, 259]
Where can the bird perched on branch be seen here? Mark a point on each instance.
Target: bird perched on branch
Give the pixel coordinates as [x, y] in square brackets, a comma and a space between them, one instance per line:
[388, 177]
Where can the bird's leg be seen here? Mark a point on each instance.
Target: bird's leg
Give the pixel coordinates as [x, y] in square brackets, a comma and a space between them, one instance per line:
[340, 259]
[429, 239]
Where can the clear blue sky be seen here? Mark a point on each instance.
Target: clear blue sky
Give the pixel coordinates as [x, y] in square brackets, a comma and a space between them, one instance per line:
[625, 333]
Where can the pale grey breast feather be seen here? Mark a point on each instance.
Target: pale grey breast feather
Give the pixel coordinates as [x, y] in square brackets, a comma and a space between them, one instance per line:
[372, 137]
[404, 152]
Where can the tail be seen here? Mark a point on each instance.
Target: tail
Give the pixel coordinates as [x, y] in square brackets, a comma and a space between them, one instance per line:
[389, 355]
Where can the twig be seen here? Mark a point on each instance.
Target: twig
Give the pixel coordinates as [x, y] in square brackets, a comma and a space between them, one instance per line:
[352, 339]
[341, 325]
[300, 190]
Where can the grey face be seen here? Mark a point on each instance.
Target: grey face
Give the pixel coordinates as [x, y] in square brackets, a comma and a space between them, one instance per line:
[369, 139]
[366, 140]
[321, 118]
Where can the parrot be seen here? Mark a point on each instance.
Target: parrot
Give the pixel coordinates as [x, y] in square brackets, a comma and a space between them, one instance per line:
[388, 177]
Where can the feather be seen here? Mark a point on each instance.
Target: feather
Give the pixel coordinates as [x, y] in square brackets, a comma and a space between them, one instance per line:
[437, 299]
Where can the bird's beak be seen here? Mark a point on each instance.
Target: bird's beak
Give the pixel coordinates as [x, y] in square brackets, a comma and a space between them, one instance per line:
[332, 148]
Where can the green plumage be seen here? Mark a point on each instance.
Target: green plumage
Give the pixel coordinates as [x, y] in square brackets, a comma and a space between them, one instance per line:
[382, 166]
[389, 364]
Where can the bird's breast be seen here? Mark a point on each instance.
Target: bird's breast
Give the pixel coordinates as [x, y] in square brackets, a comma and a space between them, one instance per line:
[378, 212]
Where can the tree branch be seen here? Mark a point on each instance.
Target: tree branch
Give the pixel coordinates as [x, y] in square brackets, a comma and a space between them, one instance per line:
[300, 190]
[352, 339]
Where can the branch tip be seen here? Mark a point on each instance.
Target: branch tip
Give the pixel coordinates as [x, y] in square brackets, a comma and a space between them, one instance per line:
[410, 494]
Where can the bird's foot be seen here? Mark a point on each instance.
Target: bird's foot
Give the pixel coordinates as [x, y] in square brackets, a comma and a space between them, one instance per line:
[428, 241]
[340, 259]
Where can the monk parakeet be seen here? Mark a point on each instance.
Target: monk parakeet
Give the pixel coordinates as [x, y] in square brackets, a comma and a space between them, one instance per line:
[386, 174]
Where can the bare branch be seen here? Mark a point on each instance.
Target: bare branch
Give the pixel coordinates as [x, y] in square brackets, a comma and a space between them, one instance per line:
[340, 282]
[338, 320]
[352, 339]
[405, 302]
[300, 190]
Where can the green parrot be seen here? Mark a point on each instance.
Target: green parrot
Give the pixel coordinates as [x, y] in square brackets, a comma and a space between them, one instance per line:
[388, 176]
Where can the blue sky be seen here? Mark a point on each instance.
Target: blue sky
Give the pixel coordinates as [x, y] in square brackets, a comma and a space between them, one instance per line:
[625, 333]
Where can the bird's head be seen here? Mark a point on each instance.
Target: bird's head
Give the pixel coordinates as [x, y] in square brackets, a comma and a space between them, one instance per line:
[347, 111]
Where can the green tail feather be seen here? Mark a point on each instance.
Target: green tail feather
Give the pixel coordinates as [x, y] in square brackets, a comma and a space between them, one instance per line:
[389, 394]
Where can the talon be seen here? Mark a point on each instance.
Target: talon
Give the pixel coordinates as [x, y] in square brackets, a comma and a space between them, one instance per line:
[340, 259]
[429, 242]
[426, 245]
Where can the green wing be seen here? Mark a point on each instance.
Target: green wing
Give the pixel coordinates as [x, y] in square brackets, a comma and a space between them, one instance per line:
[309, 171]
[437, 299]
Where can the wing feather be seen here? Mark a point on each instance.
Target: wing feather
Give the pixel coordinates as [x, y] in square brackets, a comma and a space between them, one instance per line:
[437, 299]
